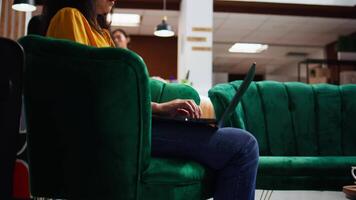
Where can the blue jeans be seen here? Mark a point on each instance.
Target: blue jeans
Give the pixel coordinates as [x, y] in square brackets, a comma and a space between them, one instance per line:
[231, 152]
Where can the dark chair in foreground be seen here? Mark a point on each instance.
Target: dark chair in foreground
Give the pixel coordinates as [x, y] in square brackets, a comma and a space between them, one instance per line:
[12, 60]
[89, 126]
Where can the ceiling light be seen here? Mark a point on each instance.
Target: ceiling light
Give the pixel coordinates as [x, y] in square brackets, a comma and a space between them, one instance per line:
[248, 48]
[24, 5]
[164, 29]
[309, 2]
[119, 19]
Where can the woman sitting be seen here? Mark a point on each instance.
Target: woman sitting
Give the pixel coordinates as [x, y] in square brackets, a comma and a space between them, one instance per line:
[231, 152]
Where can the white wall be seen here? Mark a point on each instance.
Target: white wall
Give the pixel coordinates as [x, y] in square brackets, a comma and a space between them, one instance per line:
[289, 72]
[196, 14]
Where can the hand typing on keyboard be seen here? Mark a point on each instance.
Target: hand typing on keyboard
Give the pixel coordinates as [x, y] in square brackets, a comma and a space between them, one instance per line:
[178, 107]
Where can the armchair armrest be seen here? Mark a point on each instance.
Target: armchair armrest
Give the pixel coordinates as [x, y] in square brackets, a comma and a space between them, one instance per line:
[89, 116]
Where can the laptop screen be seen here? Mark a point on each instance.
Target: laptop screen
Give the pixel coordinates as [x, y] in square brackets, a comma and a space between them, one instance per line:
[237, 98]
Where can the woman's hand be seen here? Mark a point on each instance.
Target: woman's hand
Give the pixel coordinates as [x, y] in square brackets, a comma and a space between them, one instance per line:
[177, 107]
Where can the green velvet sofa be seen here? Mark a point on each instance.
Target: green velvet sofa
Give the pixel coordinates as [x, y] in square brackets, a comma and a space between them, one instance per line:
[89, 126]
[306, 133]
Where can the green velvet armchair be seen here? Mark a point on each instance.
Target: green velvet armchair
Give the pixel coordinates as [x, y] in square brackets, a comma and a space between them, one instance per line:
[89, 126]
[306, 133]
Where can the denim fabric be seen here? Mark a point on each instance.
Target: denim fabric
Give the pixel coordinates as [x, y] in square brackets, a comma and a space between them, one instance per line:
[232, 153]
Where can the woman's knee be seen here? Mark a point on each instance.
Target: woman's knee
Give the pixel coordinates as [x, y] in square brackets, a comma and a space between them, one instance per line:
[244, 141]
[252, 142]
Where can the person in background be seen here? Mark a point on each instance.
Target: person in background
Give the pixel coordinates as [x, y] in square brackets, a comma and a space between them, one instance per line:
[232, 153]
[121, 38]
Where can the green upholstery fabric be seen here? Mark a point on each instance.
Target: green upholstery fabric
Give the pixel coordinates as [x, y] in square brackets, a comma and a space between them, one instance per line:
[302, 107]
[168, 171]
[163, 92]
[348, 96]
[89, 126]
[176, 179]
[306, 133]
[304, 173]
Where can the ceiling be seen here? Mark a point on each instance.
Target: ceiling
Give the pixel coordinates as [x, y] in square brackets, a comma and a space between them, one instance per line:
[285, 27]
[243, 6]
[284, 34]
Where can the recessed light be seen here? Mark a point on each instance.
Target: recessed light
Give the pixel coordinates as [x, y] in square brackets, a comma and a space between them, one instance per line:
[120, 19]
[248, 48]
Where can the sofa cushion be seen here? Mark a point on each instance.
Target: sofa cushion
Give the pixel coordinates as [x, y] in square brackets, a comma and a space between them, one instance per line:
[279, 127]
[328, 119]
[305, 173]
[177, 179]
[173, 172]
[306, 166]
[348, 98]
[302, 108]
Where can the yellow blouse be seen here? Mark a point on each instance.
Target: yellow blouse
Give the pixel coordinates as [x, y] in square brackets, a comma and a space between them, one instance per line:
[70, 23]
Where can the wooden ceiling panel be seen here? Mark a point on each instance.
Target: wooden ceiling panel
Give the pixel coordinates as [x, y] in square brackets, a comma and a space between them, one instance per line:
[148, 4]
[248, 7]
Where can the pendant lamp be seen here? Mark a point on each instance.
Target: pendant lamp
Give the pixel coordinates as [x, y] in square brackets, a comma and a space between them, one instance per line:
[24, 5]
[164, 29]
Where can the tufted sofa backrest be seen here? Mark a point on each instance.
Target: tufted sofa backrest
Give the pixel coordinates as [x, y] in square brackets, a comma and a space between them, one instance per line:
[163, 92]
[294, 119]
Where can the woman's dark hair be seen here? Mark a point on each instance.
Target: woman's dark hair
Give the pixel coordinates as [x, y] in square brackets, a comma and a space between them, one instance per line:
[35, 26]
[86, 7]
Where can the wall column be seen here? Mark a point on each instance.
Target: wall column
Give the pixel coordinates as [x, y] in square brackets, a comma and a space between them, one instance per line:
[195, 40]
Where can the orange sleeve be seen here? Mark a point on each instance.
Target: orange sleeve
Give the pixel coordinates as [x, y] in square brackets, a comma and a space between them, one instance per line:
[69, 24]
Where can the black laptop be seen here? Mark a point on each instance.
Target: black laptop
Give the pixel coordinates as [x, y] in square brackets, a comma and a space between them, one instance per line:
[228, 111]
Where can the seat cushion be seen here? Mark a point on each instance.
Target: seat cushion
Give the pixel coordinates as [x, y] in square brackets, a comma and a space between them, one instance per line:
[173, 171]
[323, 173]
[176, 179]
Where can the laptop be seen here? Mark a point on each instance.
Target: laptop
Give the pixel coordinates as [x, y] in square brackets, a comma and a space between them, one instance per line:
[228, 111]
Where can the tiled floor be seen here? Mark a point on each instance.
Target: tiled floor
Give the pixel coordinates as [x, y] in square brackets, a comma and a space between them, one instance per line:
[298, 195]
